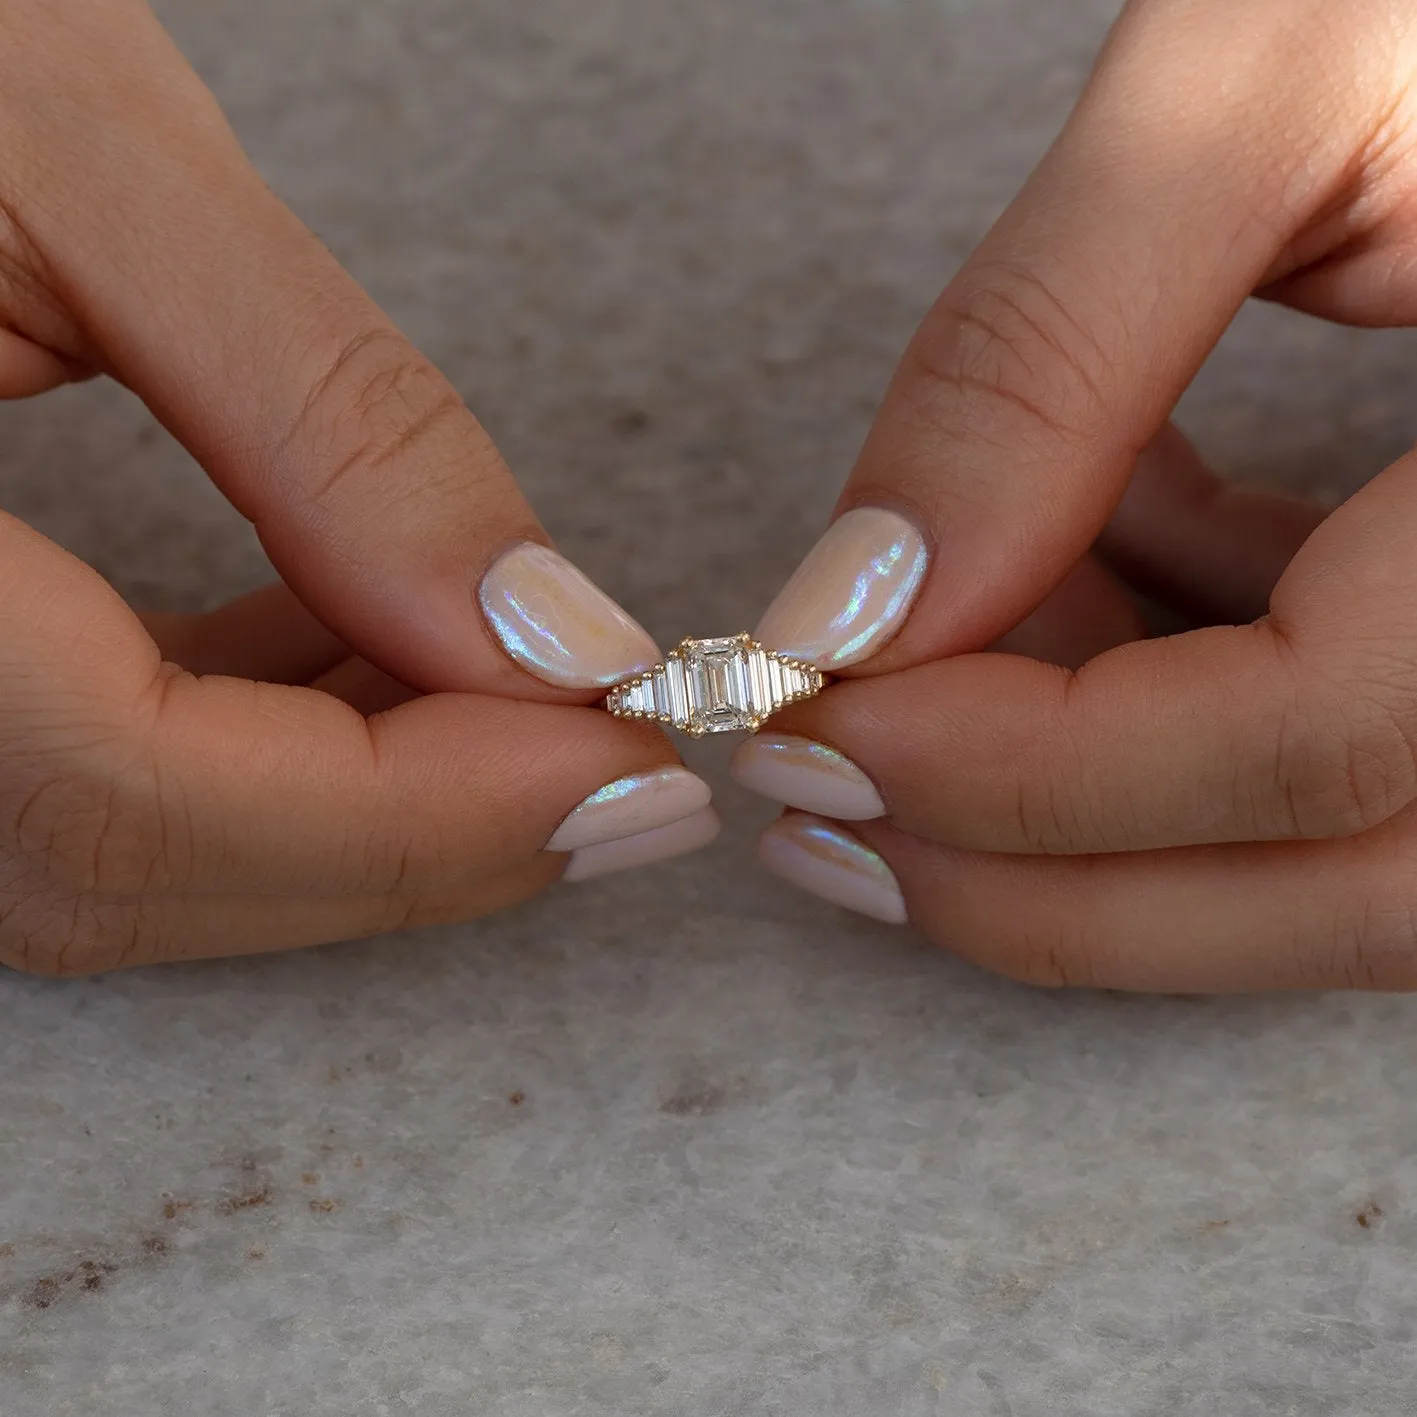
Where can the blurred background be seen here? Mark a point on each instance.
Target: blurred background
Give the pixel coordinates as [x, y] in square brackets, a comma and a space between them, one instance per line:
[680, 1142]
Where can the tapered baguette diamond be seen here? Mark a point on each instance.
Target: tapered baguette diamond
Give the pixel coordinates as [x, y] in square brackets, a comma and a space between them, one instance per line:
[776, 687]
[678, 690]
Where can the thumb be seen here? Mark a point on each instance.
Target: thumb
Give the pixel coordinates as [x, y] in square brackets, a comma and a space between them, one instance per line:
[378, 496]
[1018, 412]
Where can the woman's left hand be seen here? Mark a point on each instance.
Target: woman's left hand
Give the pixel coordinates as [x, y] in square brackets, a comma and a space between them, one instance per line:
[1230, 808]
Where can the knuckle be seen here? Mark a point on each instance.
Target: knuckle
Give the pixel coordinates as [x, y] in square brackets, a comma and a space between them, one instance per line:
[1372, 940]
[1030, 926]
[376, 401]
[79, 814]
[1343, 770]
[1061, 805]
[1016, 363]
[1045, 956]
[51, 934]
[83, 835]
[1045, 817]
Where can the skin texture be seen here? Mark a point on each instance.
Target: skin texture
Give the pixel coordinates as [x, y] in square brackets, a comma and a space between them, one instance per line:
[247, 779]
[1227, 808]
[1224, 809]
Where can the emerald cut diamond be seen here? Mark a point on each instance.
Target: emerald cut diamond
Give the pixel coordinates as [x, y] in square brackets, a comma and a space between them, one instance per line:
[722, 686]
[716, 686]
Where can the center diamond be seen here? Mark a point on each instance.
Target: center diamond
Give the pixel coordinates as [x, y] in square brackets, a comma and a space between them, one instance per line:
[723, 691]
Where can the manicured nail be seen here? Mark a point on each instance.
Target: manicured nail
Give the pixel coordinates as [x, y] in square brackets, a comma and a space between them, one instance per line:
[557, 624]
[631, 806]
[677, 839]
[805, 774]
[851, 594]
[828, 861]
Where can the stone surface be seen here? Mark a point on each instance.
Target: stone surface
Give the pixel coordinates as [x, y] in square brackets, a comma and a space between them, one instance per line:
[682, 1142]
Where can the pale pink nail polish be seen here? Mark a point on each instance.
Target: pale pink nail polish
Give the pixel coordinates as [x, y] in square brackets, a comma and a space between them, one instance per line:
[852, 593]
[807, 775]
[630, 806]
[830, 862]
[660, 844]
[557, 624]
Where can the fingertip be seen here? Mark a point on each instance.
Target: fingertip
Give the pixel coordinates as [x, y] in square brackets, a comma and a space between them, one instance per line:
[825, 859]
[853, 592]
[663, 843]
[803, 773]
[553, 621]
[632, 805]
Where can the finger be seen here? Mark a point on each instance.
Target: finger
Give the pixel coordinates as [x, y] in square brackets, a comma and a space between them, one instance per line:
[1225, 919]
[266, 635]
[1199, 545]
[278, 789]
[27, 368]
[61, 940]
[379, 497]
[122, 775]
[1057, 353]
[1089, 613]
[1302, 724]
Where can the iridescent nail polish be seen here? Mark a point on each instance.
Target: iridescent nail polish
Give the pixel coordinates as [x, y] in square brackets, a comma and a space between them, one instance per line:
[557, 624]
[632, 805]
[830, 862]
[807, 775]
[852, 593]
[660, 844]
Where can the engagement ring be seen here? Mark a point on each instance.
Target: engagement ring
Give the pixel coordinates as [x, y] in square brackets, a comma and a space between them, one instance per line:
[716, 686]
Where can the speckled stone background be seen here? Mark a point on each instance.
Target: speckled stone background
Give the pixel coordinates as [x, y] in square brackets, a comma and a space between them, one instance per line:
[659, 1145]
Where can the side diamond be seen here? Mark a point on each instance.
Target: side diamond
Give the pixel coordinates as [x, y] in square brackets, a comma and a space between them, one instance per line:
[678, 690]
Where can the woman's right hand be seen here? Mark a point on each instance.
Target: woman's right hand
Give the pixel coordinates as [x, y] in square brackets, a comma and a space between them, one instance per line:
[150, 813]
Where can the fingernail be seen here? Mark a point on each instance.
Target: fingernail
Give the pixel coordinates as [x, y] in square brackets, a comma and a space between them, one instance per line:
[828, 861]
[631, 806]
[677, 839]
[557, 624]
[805, 774]
[851, 594]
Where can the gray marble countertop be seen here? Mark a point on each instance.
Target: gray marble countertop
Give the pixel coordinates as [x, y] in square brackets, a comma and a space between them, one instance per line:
[681, 1142]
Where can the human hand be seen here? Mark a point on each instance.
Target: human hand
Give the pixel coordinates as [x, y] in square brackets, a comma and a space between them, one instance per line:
[1230, 808]
[148, 813]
